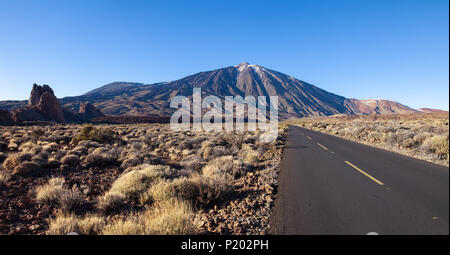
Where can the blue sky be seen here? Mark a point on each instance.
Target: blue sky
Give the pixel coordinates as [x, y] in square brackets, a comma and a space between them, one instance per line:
[393, 49]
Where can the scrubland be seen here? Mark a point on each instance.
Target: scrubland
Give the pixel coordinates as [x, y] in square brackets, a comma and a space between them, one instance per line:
[422, 136]
[135, 179]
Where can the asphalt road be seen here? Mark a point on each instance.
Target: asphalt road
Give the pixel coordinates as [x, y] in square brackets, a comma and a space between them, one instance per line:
[329, 185]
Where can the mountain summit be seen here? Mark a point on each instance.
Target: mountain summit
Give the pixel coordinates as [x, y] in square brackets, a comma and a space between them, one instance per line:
[296, 98]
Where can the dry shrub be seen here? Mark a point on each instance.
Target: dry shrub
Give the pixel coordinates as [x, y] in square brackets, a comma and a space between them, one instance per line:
[30, 147]
[49, 193]
[66, 223]
[172, 217]
[111, 201]
[71, 160]
[54, 193]
[225, 167]
[50, 147]
[437, 144]
[192, 163]
[130, 163]
[180, 188]
[70, 200]
[248, 154]
[99, 160]
[94, 134]
[138, 179]
[14, 160]
[210, 189]
[4, 177]
[27, 168]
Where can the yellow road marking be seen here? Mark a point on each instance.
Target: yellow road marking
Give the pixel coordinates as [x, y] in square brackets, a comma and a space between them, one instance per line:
[366, 174]
[323, 147]
[309, 137]
[435, 218]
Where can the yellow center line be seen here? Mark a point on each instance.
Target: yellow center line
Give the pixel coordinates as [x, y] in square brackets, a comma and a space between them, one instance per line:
[323, 147]
[366, 174]
[309, 137]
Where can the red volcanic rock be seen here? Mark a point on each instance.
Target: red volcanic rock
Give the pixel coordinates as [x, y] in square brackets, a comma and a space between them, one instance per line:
[42, 106]
[37, 92]
[89, 111]
[5, 116]
[49, 106]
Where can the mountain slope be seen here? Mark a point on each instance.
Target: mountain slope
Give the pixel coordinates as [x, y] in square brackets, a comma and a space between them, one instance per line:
[296, 98]
[380, 106]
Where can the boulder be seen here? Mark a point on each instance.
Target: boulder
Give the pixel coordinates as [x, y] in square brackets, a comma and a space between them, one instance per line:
[89, 111]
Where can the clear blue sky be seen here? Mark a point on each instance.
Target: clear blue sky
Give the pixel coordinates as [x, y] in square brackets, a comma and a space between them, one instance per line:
[393, 49]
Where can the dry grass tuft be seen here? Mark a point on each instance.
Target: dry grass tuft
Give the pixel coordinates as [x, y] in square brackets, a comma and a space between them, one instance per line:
[172, 217]
[54, 193]
[66, 223]
[136, 181]
[111, 201]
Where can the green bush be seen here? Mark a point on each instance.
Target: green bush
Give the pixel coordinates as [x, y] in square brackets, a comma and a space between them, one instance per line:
[94, 134]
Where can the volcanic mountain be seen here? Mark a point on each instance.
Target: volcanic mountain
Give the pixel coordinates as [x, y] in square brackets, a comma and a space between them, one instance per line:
[296, 98]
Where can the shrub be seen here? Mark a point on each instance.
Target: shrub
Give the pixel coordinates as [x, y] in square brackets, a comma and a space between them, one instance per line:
[173, 217]
[438, 145]
[27, 168]
[111, 201]
[132, 225]
[13, 161]
[137, 180]
[55, 194]
[66, 223]
[210, 190]
[192, 163]
[70, 200]
[71, 160]
[30, 148]
[225, 167]
[4, 177]
[99, 160]
[180, 188]
[130, 163]
[94, 134]
[51, 147]
[49, 193]
[249, 154]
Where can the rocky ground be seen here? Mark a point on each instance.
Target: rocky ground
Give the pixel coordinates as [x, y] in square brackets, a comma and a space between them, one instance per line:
[91, 164]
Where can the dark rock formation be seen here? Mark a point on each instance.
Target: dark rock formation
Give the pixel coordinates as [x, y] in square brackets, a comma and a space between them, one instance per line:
[37, 92]
[5, 116]
[42, 106]
[89, 111]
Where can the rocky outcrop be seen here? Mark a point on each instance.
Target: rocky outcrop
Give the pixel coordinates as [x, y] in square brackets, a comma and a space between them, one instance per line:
[89, 111]
[37, 92]
[42, 106]
[5, 116]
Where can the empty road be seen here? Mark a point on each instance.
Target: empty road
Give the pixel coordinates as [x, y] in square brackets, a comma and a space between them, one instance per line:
[329, 185]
